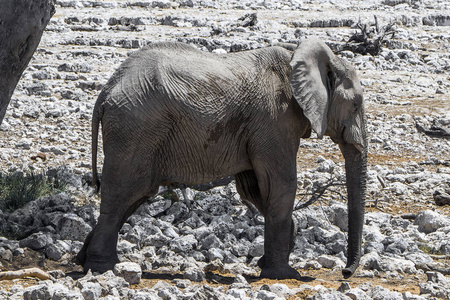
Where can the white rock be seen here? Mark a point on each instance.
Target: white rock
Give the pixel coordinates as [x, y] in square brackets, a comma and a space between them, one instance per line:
[329, 262]
[379, 292]
[194, 274]
[4, 126]
[130, 271]
[72, 227]
[281, 290]
[24, 144]
[91, 290]
[183, 244]
[267, 295]
[42, 291]
[357, 294]
[430, 221]
[237, 293]
[257, 247]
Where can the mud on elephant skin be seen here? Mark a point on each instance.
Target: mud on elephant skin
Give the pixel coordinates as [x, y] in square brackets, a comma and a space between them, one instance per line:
[172, 114]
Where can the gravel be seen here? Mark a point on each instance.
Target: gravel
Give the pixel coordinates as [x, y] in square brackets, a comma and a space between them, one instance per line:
[47, 127]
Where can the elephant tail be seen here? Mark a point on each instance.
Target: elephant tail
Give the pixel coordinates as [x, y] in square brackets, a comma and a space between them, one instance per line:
[96, 117]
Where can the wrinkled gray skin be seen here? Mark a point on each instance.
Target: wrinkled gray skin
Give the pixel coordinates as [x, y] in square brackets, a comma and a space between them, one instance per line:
[172, 114]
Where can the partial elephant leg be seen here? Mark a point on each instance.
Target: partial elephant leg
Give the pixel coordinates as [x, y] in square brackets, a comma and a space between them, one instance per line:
[262, 260]
[122, 193]
[100, 249]
[248, 189]
[277, 182]
[81, 256]
[275, 202]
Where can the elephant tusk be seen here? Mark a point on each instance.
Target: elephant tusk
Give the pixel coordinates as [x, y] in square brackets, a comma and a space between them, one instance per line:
[359, 147]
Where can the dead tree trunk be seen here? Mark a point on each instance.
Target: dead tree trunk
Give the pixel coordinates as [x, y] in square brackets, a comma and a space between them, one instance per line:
[22, 23]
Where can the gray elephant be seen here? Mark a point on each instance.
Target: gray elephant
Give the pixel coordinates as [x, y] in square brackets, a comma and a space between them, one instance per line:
[172, 114]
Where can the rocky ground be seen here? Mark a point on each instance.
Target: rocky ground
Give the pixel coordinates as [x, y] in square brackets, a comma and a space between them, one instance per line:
[209, 248]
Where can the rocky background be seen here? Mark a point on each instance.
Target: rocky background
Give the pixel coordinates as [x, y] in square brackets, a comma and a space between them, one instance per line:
[174, 247]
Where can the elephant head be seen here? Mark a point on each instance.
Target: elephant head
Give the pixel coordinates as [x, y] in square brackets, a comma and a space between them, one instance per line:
[329, 92]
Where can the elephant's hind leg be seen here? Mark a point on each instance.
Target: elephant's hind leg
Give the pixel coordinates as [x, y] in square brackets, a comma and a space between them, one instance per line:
[100, 249]
[248, 189]
[121, 196]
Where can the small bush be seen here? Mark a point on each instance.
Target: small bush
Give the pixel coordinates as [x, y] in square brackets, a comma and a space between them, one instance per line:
[19, 188]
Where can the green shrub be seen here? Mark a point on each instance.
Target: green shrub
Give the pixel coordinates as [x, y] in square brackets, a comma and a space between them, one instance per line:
[19, 188]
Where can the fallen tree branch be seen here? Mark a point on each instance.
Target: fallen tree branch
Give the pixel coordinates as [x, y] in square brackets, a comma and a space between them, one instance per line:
[435, 130]
[32, 272]
[370, 38]
[319, 191]
[433, 267]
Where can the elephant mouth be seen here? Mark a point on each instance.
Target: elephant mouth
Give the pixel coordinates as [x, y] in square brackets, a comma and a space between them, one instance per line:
[341, 139]
[359, 147]
[353, 137]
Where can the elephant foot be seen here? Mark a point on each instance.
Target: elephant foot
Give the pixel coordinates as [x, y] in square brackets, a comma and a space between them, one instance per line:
[280, 272]
[100, 266]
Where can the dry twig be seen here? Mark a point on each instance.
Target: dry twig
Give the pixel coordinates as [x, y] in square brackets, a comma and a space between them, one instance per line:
[32, 272]
[320, 190]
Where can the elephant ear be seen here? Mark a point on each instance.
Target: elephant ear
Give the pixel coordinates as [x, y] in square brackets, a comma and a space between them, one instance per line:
[310, 82]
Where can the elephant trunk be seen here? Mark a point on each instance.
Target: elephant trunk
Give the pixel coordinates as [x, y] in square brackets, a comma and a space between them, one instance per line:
[356, 173]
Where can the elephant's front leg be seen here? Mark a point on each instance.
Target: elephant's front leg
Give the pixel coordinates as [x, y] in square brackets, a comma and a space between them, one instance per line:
[277, 185]
[278, 240]
[262, 260]
[247, 185]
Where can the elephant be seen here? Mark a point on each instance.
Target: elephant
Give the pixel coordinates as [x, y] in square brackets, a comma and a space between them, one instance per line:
[172, 114]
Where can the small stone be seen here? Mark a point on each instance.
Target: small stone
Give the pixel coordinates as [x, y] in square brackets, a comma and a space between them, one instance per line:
[57, 274]
[267, 295]
[328, 261]
[281, 290]
[313, 265]
[38, 292]
[24, 144]
[36, 241]
[183, 244]
[326, 166]
[430, 221]
[237, 293]
[6, 254]
[182, 283]
[358, 294]
[55, 251]
[194, 274]
[91, 290]
[72, 227]
[441, 197]
[214, 254]
[4, 126]
[379, 292]
[257, 247]
[211, 241]
[158, 207]
[345, 286]
[130, 271]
